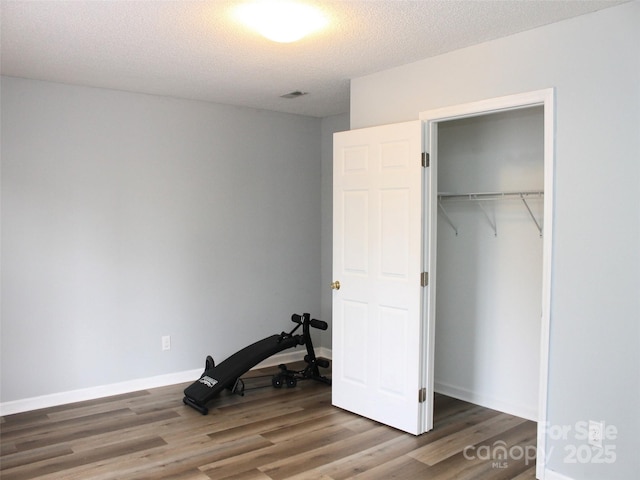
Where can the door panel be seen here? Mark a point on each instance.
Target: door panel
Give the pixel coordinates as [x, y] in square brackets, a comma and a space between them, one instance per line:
[356, 231]
[377, 312]
[394, 247]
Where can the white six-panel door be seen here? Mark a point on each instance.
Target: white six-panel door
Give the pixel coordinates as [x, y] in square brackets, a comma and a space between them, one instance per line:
[377, 260]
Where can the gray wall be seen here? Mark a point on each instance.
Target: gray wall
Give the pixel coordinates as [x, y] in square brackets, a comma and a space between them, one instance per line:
[593, 63]
[127, 217]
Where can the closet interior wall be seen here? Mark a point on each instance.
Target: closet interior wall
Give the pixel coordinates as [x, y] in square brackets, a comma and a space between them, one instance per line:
[489, 261]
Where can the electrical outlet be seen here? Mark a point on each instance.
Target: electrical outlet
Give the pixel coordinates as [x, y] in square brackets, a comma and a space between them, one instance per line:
[166, 342]
[596, 430]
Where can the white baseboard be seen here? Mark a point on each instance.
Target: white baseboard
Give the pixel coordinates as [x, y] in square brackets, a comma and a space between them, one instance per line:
[63, 398]
[486, 401]
[92, 393]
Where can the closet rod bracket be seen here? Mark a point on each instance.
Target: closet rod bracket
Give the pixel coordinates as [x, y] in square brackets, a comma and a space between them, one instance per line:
[533, 217]
[446, 216]
[491, 222]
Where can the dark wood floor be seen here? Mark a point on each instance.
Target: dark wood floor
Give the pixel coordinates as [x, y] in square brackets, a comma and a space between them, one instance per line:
[267, 434]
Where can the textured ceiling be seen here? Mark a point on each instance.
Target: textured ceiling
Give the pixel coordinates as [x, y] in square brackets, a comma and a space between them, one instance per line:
[196, 50]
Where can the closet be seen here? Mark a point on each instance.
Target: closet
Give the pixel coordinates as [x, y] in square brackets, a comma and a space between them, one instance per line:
[490, 257]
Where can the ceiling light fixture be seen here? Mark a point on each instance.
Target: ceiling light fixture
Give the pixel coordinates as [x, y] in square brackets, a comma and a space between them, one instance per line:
[282, 21]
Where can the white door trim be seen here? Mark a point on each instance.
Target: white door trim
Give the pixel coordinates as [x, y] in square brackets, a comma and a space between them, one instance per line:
[545, 98]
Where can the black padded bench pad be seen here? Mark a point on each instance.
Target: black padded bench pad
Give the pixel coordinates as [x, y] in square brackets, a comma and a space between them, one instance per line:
[224, 375]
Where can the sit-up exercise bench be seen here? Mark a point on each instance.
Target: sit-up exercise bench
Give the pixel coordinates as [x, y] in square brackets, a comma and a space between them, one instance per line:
[227, 374]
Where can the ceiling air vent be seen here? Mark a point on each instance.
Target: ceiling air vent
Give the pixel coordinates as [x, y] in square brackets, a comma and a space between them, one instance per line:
[295, 94]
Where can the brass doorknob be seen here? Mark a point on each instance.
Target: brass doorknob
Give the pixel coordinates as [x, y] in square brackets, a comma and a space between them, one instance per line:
[335, 285]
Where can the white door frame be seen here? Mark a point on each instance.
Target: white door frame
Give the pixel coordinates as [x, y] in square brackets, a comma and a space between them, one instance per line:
[430, 119]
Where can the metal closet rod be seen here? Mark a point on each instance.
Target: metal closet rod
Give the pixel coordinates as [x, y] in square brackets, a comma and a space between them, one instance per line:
[478, 197]
[488, 195]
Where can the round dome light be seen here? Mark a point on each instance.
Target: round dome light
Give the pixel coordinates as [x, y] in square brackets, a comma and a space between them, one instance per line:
[280, 20]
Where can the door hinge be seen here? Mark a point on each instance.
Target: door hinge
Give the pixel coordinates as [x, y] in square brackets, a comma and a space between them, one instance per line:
[422, 395]
[424, 279]
[425, 159]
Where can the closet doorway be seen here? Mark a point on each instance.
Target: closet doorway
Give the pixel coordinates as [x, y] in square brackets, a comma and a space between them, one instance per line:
[490, 230]
[489, 195]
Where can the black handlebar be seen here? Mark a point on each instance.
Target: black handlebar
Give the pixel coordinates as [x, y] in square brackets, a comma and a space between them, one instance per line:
[300, 319]
[319, 324]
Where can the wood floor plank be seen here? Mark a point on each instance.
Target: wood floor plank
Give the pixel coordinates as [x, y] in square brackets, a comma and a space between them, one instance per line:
[87, 407]
[92, 407]
[361, 461]
[267, 434]
[166, 461]
[157, 424]
[304, 424]
[169, 463]
[253, 474]
[441, 449]
[22, 420]
[283, 450]
[477, 463]
[308, 460]
[528, 474]
[401, 468]
[234, 426]
[60, 464]
[32, 456]
[32, 431]
[188, 475]
[458, 422]
[84, 429]
[372, 458]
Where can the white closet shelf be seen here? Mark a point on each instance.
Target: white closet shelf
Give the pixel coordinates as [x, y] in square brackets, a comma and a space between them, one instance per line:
[489, 195]
[479, 197]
